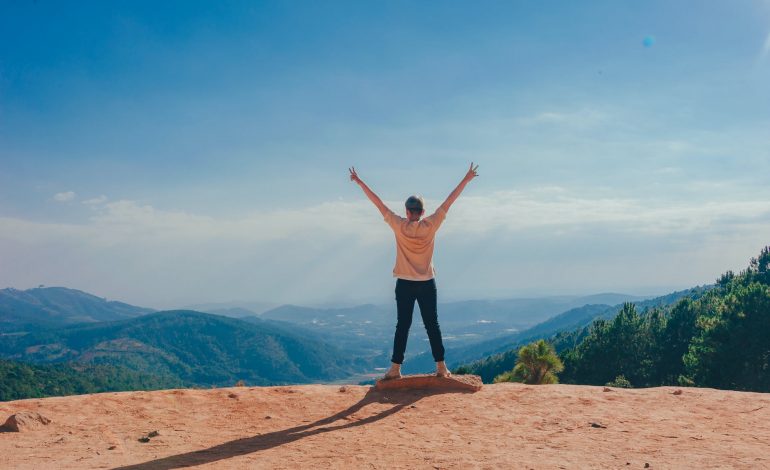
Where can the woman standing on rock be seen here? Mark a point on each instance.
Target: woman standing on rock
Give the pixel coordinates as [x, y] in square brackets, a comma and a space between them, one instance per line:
[414, 269]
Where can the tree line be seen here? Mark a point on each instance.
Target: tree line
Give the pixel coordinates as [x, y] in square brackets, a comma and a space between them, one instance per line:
[720, 339]
[20, 380]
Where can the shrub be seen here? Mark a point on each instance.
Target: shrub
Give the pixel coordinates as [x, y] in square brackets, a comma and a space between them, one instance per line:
[620, 382]
[536, 364]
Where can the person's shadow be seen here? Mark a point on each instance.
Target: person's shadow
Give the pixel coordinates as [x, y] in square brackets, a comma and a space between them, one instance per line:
[248, 445]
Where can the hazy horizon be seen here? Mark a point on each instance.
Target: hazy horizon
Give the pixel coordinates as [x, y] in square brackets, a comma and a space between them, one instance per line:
[182, 153]
[265, 304]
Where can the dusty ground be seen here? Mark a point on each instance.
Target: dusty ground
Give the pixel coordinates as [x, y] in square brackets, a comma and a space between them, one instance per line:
[322, 426]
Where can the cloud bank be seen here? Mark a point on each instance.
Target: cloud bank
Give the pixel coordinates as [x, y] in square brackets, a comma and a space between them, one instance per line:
[506, 243]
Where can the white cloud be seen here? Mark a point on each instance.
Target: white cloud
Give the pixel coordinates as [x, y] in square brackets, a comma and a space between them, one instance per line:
[95, 201]
[547, 207]
[579, 118]
[490, 242]
[64, 196]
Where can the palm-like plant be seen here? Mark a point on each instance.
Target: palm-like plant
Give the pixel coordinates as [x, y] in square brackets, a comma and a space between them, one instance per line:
[537, 364]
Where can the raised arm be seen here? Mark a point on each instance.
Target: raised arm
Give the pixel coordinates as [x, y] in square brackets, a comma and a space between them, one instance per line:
[459, 189]
[369, 193]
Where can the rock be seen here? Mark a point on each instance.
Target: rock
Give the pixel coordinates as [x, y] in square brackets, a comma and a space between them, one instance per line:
[112, 447]
[646, 465]
[146, 438]
[429, 381]
[598, 425]
[232, 395]
[607, 389]
[677, 392]
[24, 421]
[343, 389]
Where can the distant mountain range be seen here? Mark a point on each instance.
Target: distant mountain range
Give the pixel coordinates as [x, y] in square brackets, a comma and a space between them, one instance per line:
[515, 313]
[195, 348]
[58, 306]
[366, 329]
[232, 309]
[284, 344]
[569, 320]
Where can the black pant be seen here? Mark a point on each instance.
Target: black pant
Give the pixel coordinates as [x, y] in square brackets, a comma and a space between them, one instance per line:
[425, 294]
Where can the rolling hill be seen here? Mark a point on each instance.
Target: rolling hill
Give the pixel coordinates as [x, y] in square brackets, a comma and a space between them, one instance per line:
[49, 307]
[570, 320]
[193, 347]
[367, 330]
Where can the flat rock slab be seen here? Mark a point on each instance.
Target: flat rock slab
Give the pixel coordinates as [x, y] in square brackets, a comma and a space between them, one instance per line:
[430, 381]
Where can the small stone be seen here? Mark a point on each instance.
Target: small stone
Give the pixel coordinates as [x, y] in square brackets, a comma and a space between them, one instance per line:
[144, 439]
[646, 465]
[112, 447]
[268, 417]
[232, 395]
[343, 389]
[24, 421]
[677, 392]
[153, 434]
[598, 425]
[607, 389]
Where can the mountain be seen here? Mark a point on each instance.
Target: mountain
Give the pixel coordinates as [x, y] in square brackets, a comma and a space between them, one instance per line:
[719, 339]
[232, 312]
[193, 347]
[367, 330]
[521, 313]
[566, 321]
[325, 316]
[58, 306]
[509, 313]
[235, 309]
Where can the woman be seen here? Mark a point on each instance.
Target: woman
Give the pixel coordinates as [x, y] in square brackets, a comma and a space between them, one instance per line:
[414, 272]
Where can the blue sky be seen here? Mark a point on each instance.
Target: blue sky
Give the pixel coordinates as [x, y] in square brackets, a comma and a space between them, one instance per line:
[166, 153]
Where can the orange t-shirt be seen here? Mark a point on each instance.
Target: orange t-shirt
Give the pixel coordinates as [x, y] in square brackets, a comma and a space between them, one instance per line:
[414, 244]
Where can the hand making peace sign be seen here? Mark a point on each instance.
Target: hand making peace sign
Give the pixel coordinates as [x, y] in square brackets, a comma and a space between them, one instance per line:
[471, 173]
[354, 175]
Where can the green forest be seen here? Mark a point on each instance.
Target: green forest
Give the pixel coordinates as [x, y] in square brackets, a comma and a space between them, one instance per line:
[710, 337]
[717, 338]
[191, 347]
[19, 380]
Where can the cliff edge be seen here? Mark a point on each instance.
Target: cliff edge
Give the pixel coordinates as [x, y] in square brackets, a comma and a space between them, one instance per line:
[325, 426]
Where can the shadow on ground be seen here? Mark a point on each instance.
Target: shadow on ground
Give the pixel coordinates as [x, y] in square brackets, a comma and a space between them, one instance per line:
[248, 445]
